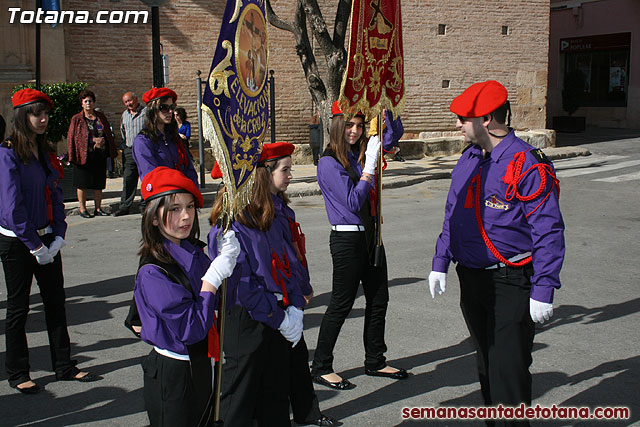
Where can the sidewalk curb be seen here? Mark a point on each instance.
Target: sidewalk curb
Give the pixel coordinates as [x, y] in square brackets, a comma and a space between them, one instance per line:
[425, 169]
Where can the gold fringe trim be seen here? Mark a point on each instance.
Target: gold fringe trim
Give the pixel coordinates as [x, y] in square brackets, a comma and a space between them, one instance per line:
[238, 198]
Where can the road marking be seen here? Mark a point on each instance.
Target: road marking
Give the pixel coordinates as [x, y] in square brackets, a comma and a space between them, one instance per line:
[620, 178]
[594, 160]
[597, 169]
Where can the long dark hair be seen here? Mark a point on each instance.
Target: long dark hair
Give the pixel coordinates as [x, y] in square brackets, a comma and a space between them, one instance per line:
[21, 136]
[150, 120]
[259, 213]
[339, 145]
[151, 243]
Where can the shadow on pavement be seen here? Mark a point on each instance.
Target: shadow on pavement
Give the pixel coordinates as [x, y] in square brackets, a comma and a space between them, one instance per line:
[80, 408]
[592, 135]
[84, 303]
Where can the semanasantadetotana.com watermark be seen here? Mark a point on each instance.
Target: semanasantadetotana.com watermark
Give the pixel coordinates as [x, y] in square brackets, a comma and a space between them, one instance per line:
[41, 16]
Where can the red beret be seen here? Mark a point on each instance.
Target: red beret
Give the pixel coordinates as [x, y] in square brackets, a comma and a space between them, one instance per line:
[480, 99]
[336, 111]
[159, 92]
[275, 151]
[163, 180]
[30, 96]
[216, 173]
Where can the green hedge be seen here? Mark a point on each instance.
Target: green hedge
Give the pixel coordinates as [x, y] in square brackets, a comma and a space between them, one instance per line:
[65, 98]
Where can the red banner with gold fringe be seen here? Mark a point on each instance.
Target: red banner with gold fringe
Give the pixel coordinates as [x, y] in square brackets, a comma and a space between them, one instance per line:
[374, 79]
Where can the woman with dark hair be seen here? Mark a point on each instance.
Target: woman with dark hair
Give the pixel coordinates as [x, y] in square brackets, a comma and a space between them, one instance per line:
[32, 230]
[158, 143]
[346, 175]
[264, 301]
[184, 127]
[175, 296]
[89, 143]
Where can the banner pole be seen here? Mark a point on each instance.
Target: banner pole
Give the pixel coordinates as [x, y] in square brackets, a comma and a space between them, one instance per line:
[377, 259]
[222, 314]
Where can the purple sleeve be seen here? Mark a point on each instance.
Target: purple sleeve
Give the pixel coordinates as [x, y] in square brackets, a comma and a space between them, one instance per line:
[392, 132]
[244, 285]
[12, 207]
[547, 233]
[339, 191]
[145, 155]
[189, 319]
[442, 257]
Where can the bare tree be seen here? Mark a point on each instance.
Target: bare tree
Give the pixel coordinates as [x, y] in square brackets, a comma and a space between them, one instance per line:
[323, 92]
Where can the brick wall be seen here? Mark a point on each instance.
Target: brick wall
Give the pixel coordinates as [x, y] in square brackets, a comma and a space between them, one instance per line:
[116, 58]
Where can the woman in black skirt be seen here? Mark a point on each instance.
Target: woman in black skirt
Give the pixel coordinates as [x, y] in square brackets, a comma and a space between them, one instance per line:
[90, 142]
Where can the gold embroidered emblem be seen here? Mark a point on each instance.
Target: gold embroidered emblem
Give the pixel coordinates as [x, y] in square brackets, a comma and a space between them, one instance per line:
[494, 203]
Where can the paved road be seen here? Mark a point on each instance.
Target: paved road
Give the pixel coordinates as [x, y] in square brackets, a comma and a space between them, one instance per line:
[587, 355]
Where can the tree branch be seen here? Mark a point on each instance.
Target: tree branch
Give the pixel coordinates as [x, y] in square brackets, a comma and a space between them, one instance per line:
[318, 25]
[307, 57]
[276, 21]
[340, 24]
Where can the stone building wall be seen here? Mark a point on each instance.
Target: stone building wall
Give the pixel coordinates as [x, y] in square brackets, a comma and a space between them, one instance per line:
[115, 58]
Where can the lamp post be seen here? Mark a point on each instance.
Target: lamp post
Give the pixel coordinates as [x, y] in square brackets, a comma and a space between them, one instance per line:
[158, 80]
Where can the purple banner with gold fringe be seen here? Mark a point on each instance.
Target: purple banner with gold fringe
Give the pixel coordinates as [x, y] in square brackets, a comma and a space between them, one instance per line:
[235, 102]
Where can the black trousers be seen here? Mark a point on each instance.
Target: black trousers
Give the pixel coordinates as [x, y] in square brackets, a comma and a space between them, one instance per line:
[19, 269]
[495, 305]
[350, 268]
[129, 179]
[255, 375]
[304, 402]
[169, 394]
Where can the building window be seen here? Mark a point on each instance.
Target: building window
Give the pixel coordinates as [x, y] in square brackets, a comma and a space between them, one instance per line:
[442, 29]
[602, 65]
[605, 76]
[505, 30]
[445, 83]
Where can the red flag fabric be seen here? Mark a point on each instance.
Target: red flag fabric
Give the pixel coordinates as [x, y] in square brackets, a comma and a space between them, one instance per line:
[375, 69]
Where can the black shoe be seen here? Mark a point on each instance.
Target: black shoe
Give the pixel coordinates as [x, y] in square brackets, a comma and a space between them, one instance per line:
[401, 374]
[28, 390]
[340, 385]
[85, 214]
[71, 376]
[121, 212]
[323, 421]
[398, 158]
[99, 212]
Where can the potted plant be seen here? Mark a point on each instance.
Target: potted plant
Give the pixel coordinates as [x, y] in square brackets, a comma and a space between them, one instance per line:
[572, 98]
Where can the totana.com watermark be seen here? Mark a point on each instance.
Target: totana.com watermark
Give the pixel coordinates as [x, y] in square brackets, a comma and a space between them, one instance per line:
[41, 16]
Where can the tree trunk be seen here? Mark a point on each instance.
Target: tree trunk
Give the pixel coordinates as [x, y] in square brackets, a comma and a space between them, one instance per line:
[323, 91]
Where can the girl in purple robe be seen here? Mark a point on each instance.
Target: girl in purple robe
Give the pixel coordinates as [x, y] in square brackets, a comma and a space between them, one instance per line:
[32, 231]
[175, 297]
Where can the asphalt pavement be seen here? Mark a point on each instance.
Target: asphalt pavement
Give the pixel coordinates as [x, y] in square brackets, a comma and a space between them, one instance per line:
[587, 355]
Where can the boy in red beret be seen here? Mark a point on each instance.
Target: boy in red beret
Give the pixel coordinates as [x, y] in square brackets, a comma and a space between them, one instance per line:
[503, 227]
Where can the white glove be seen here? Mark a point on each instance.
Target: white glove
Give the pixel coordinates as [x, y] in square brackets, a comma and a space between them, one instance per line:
[222, 266]
[42, 255]
[540, 311]
[228, 245]
[291, 327]
[437, 283]
[372, 154]
[56, 245]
